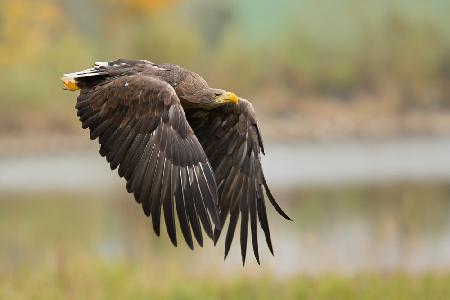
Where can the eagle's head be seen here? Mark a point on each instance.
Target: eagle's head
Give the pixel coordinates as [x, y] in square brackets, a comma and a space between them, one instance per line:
[193, 90]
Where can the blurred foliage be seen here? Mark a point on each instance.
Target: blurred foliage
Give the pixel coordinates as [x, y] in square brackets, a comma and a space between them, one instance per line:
[256, 48]
[56, 245]
[404, 203]
[97, 280]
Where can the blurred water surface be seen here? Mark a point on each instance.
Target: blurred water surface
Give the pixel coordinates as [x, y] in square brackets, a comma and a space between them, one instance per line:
[294, 164]
[341, 230]
[371, 201]
[378, 206]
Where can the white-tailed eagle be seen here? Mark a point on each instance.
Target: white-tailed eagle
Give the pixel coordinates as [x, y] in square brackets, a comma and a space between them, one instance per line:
[182, 147]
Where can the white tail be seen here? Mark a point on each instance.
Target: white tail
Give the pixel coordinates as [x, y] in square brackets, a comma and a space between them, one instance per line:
[98, 69]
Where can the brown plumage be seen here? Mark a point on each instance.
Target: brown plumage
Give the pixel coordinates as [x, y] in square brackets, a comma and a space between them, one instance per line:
[181, 146]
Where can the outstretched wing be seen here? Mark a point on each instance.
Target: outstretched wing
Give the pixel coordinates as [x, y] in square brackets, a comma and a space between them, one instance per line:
[232, 142]
[142, 129]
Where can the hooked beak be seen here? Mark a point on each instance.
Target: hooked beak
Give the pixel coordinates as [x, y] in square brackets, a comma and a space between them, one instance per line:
[227, 97]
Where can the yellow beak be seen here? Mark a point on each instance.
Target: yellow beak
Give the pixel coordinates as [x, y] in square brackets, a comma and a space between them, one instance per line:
[227, 97]
[232, 97]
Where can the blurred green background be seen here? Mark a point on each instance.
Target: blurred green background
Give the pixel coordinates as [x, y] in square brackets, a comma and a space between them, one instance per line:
[353, 98]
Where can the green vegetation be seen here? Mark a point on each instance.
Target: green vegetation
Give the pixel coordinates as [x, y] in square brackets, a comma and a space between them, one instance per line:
[295, 52]
[95, 280]
[100, 246]
[312, 68]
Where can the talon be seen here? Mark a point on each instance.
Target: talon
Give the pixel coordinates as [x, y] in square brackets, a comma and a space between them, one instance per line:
[70, 85]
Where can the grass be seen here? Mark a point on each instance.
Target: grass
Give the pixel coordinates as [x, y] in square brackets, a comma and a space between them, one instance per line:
[94, 279]
[99, 246]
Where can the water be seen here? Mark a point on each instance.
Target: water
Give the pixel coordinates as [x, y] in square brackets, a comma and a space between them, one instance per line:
[284, 165]
[358, 207]
[359, 162]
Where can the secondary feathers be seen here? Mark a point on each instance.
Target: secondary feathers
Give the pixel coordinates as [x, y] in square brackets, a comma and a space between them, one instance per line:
[186, 150]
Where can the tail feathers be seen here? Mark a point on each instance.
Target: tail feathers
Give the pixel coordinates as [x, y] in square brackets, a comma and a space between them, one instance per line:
[95, 71]
[101, 68]
[99, 71]
[76, 80]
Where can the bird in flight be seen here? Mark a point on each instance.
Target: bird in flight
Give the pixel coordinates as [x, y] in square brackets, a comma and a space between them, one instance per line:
[183, 148]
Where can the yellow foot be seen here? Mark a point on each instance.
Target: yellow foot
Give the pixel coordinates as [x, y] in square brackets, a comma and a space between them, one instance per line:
[70, 85]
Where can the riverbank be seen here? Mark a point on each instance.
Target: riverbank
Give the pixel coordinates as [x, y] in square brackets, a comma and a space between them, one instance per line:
[307, 118]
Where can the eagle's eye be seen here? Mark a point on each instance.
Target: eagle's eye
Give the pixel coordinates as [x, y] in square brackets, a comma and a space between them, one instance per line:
[217, 94]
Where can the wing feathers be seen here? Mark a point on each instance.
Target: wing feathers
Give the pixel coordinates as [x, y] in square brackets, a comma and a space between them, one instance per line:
[199, 201]
[233, 144]
[191, 211]
[181, 209]
[244, 227]
[142, 130]
[234, 216]
[272, 200]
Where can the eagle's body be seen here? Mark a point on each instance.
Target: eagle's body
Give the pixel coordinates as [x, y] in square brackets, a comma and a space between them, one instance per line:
[181, 146]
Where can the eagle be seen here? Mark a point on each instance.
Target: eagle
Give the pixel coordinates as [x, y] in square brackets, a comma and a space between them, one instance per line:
[185, 150]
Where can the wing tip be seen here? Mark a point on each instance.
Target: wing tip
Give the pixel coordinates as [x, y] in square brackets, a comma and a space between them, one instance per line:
[174, 242]
[273, 201]
[271, 248]
[191, 246]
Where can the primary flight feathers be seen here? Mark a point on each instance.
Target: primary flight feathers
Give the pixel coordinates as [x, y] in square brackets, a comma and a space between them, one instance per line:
[184, 148]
